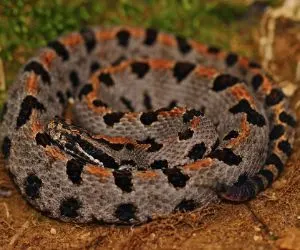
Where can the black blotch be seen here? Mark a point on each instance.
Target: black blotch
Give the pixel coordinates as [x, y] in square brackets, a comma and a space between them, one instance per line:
[275, 97]
[253, 116]
[276, 132]
[213, 50]
[89, 39]
[123, 37]
[43, 139]
[258, 182]
[287, 118]
[254, 65]
[99, 103]
[154, 146]
[123, 179]
[61, 97]
[85, 90]
[6, 145]
[60, 49]
[189, 115]
[216, 144]
[285, 147]
[183, 44]
[114, 146]
[38, 69]
[28, 104]
[147, 101]
[231, 134]
[275, 160]
[106, 79]
[182, 69]
[231, 59]
[74, 79]
[175, 177]
[128, 162]
[74, 170]
[140, 68]
[32, 186]
[172, 105]
[224, 81]
[257, 81]
[186, 134]
[159, 164]
[186, 205]
[267, 174]
[3, 111]
[94, 67]
[197, 151]
[129, 146]
[151, 35]
[227, 156]
[126, 212]
[69, 94]
[112, 118]
[69, 207]
[127, 103]
[119, 60]
[148, 118]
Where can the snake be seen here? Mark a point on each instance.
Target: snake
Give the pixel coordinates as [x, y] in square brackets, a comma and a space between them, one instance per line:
[126, 124]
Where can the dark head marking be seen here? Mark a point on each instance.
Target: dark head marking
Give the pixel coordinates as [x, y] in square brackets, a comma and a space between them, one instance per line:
[182, 69]
[227, 156]
[151, 35]
[69, 208]
[224, 81]
[123, 37]
[99, 103]
[197, 151]
[6, 145]
[213, 50]
[3, 111]
[94, 67]
[74, 78]
[148, 118]
[60, 49]
[28, 104]
[106, 79]
[253, 116]
[175, 177]
[123, 179]
[257, 81]
[127, 103]
[275, 97]
[89, 39]
[43, 139]
[183, 45]
[32, 186]
[86, 89]
[140, 68]
[126, 212]
[254, 65]
[38, 69]
[111, 118]
[61, 97]
[231, 59]
[74, 170]
[159, 164]
[147, 101]
[186, 205]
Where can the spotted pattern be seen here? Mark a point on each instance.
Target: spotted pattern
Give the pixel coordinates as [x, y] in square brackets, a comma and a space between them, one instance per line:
[136, 142]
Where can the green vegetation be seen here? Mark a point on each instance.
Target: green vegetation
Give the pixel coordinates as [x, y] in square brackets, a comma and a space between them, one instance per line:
[28, 24]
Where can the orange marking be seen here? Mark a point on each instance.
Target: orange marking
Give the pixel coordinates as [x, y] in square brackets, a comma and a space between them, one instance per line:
[198, 164]
[136, 32]
[206, 71]
[105, 35]
[102, 173]
[161, 64]
[240, 93]
[131, 116]
[166, 40]
[32, 84]
[115, 139]
[146, 175]
[244, 62]
[195, 122]
[72, 40]
[267, 85]
[243, 135]
[36, 126]
[55, 153]
[199, 47]
[47, 58]
[176, 112]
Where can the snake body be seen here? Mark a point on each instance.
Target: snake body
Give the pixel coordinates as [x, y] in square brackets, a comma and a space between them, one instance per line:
[159, 124]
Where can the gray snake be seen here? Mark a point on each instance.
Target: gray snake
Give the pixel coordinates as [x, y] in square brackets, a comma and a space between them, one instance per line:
[158, 123]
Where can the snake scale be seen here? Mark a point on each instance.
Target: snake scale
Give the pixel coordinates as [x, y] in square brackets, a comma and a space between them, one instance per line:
[158, 123]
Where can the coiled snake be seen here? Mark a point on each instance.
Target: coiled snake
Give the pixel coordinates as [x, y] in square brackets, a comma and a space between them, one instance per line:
[159, 124]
